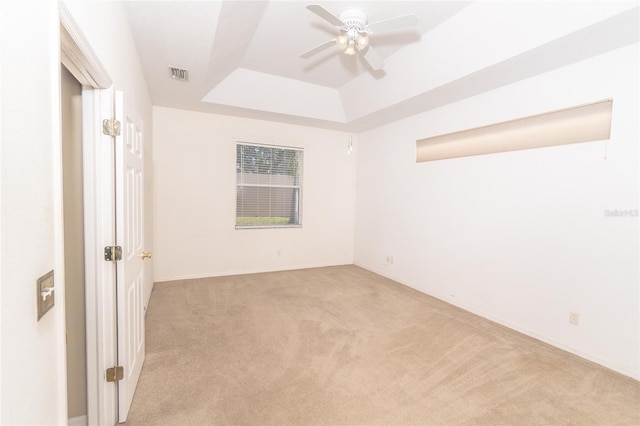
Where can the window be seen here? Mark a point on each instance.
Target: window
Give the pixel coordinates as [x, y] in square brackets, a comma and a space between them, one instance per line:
[268, 186]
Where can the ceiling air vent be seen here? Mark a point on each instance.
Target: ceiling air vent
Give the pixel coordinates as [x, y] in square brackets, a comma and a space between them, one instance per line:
[179, 74]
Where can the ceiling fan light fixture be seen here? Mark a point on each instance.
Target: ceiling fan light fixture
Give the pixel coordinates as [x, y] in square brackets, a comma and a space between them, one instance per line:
[350, 49]
[362, 41]
[354, 32]
[342, 41]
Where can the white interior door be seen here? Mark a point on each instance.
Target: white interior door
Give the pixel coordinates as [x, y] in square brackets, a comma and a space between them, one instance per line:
[129, 235]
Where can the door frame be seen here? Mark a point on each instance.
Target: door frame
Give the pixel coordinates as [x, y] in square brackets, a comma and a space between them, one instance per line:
[99, 219]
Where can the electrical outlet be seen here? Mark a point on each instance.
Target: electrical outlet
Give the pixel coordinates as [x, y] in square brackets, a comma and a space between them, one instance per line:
[574, 318]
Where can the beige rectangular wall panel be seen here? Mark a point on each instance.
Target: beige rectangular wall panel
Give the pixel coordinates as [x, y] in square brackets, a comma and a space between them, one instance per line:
[584, 123]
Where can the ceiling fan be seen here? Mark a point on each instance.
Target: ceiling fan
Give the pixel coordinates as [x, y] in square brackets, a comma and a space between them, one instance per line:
[355, 31]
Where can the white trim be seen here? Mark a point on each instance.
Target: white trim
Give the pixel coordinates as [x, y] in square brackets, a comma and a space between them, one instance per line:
[78, 421]
[524, 330]
[267, 145]
[76, 53]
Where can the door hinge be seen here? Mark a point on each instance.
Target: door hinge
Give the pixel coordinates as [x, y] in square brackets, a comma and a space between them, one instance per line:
[115, 374]
[112, 253]
[111, 127]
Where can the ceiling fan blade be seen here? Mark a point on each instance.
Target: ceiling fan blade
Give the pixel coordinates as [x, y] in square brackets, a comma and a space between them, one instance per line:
[317, 49]
[392, 24]
[373, 59]
[325, 14]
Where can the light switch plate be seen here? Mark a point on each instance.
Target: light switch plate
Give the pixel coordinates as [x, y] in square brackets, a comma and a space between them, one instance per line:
[45, 285]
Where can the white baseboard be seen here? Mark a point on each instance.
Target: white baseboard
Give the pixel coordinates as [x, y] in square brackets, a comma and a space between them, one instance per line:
[78, 421]
[242, 272]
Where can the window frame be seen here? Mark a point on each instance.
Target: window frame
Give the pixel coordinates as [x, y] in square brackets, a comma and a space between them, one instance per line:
[299, 186]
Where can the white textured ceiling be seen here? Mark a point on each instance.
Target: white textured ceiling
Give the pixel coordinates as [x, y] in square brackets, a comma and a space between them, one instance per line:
[243, 56]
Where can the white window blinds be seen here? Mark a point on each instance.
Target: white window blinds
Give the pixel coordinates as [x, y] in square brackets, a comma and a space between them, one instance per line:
[268, 186]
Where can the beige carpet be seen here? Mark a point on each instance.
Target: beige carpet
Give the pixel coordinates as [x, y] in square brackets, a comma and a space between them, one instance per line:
[343, 346]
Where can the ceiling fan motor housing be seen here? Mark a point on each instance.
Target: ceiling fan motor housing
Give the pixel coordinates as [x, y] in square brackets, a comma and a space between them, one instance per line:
[354, 18]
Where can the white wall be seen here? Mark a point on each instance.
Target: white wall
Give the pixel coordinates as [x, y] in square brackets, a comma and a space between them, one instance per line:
[32, 358]
[522, 237]
[194, 210]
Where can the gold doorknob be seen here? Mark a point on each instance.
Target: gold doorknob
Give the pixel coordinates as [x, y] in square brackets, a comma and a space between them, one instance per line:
[145, 255]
